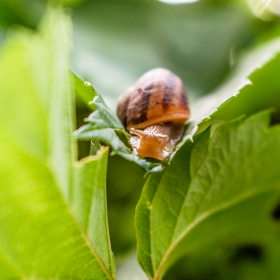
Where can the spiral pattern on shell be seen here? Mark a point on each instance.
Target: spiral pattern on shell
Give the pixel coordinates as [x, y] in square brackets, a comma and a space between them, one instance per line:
[157, 97]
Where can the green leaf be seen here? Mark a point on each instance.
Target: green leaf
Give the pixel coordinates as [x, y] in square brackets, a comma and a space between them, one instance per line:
[84, 91]
[102, 117]
[261, 93]
[106, 135]
[104, 114]
[16, 12]
[44, 230]
[212, 203]
[58, 93]
[253, 86]
[90, 204]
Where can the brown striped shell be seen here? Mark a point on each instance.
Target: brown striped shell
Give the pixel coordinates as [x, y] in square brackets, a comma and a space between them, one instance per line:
[155, 109]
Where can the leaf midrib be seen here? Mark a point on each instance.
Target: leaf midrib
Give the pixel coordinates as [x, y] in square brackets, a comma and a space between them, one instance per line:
[229, 204]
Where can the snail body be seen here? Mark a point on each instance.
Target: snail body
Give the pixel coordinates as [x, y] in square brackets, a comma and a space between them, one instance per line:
[154, 111]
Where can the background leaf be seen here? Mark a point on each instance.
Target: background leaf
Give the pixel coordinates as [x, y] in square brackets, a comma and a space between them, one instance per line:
[16, 12]
[116, 42]
[252, 87]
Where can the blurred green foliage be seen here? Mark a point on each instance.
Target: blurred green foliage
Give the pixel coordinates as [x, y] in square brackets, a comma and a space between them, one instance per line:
[114, 42]
[47, 201]
[123, 39]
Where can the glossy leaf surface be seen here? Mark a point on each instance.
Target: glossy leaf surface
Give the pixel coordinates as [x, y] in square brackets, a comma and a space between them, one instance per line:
[208, 202]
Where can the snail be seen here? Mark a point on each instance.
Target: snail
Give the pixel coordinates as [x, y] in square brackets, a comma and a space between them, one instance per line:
[154, 111]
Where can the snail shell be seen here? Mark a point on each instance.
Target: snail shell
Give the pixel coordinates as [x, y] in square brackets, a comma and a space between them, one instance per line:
[155, 110]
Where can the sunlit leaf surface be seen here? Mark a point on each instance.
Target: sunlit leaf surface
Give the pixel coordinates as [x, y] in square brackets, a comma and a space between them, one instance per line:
[53, 218]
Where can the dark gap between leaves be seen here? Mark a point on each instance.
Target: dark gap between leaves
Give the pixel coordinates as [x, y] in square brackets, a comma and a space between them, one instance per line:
[275, 118]
[250, 252]
[276, 212]
[83, 149]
